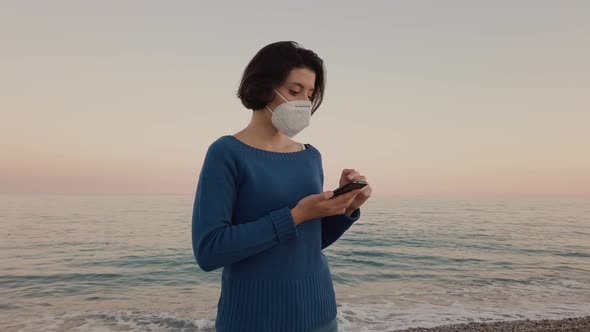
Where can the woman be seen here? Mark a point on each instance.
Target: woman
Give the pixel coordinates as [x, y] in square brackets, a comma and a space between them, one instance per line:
[260, 211]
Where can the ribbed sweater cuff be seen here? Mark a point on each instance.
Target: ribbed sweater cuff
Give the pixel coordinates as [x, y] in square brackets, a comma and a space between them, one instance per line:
[354, 216]
[284, 225]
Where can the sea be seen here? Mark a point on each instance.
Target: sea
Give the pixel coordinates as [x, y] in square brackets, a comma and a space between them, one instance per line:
[125, 263]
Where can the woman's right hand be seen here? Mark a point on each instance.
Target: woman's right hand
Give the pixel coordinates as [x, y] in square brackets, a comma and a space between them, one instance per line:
[322, 205]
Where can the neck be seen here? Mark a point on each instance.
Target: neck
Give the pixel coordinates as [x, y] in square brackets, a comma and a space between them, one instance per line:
[261, 131]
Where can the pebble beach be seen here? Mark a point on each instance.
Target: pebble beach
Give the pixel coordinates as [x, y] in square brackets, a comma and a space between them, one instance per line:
[577, 324]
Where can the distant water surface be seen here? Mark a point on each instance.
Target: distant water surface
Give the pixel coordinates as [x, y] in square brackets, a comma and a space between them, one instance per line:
[92, 262]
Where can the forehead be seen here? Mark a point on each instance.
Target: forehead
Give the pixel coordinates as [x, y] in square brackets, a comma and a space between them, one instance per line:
[304, 76]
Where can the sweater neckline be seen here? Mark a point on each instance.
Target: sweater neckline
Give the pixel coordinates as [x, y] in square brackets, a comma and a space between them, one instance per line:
[249, 149]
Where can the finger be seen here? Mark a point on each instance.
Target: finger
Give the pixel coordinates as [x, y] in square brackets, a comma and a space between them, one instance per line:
[349, 202]
[353, 175]
[327, 194]
[347, 171]
[368, 192]
[348, 195]
[363, 195]
[357, 193]
[339, 199]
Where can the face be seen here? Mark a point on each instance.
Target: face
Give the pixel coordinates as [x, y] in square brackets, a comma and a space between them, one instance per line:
[299, 85]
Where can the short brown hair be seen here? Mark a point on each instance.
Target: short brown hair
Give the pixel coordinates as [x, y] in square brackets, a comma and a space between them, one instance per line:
[270, 67]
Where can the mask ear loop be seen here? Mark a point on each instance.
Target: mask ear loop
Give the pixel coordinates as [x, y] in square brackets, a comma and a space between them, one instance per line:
[281, 96]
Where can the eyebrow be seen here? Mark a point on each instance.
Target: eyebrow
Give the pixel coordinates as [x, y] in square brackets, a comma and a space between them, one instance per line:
[301, 85]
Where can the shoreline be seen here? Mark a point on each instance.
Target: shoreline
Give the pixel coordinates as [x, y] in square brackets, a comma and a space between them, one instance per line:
[574, 324]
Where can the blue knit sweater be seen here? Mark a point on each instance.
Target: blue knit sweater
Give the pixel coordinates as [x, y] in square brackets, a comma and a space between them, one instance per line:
[275, 276]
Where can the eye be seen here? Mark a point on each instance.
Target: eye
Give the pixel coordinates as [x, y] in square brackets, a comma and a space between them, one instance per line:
[295, 93]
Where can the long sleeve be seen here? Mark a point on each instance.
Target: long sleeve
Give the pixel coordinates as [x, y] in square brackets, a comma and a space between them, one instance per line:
[334, 226]
[216, 241]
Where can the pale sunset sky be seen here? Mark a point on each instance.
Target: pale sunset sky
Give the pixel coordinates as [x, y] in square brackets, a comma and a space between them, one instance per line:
[433, 98]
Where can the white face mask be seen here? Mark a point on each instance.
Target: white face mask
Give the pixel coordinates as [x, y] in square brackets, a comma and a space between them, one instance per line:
[291, 117]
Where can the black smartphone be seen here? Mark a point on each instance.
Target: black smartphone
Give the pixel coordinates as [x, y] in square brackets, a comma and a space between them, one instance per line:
[352, 185]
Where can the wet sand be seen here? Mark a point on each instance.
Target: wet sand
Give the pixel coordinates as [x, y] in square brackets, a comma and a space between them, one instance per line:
[578, 324]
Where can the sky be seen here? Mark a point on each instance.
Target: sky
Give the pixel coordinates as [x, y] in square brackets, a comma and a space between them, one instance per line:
[424, 98]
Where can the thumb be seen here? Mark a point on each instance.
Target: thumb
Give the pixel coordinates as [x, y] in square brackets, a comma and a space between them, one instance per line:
[328, 194]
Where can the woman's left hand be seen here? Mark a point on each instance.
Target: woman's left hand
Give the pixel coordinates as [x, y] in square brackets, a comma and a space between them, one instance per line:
[348, 175]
